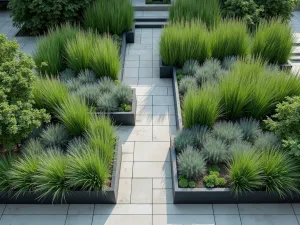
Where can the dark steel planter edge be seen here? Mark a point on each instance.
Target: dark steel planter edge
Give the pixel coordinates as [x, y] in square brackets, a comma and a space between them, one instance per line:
[75, 197]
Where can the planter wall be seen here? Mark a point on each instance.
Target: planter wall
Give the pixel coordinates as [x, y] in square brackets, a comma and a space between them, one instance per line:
[215, 195]
[76, 197]
[125, 118]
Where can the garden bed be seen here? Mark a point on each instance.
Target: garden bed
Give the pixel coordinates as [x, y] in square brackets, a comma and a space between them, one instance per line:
[75, 197]
[125, 118]
[218, 195]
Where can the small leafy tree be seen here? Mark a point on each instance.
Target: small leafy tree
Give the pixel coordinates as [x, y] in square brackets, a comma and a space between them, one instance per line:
[18, 117]
[286, 124]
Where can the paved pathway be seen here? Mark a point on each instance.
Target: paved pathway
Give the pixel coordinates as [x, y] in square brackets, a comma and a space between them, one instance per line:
[145, 194]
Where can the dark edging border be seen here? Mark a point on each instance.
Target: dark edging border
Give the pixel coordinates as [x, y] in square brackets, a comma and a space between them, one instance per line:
[76, 197]
[124, 118]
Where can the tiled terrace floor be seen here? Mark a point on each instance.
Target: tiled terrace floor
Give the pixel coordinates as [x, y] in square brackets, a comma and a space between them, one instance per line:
[145, 194]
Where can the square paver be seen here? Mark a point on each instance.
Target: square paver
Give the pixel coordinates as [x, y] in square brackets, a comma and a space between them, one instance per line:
[160, 110]
[151, 169]
[164, 120]
[131, 72]
[127, 147]
[163, 133]
[183, 220]
[182, 209]
[146, 64]
[79, 220]
[145, 72]
[132, 64]
[151, 91]
[127, 157]
[124, 190]
[136, 133]
[141, 191]
[163, 100]
[155, 82]
[156, 72]
[162, 196]
[223, 209]
[81, 209]
[269, 220]
[126, 170]
[227, 219]
[122, 219]
[276, 209]
[123, 209]
[33, 220]
[161, 183]
[144, 100]
[143, 120]
[152, 151]
[34, 209]
[143, 110]
[130, 81]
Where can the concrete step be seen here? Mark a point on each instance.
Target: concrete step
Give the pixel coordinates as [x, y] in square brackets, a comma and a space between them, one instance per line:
[150, 24]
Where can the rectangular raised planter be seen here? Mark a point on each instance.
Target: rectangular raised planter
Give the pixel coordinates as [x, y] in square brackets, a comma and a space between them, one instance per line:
[165, 71]
[130, 35]
[219, 195]
[76, 197]
[125, 118]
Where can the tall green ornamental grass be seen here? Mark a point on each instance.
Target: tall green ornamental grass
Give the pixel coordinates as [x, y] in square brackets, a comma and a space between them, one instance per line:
[50, 49]
[201, 108]
[105, 58]
[78, 51]
[208, 11]
[182, 41]
[273, 41]
[113, 16]
[49, 93]
[74, 114]
[229, 38]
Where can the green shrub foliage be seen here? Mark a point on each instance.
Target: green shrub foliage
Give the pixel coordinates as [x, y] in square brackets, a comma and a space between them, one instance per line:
[191, 163]
[227, 131]
[114, 16]
[215, 151]
[285, 123]
[214, 180]
[18, 117]
[188, 83]
[37, 16]
[207, 11]
[277, 8]
[273, 41]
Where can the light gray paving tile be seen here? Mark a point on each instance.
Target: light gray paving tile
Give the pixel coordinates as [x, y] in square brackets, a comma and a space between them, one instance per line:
[141, 52]
[136, 133]
[152, 151]
[155, 56]
[146, 64]
[223, 209]
[171, 110]
[132, 58]
[161, 183]
[278, 209]
[30, 209]
[160, 110]
[127, 147]
[145, 72]
[143, 110]
[151, 169]
[146, 56]
[141, 191]
[156, 72]
[131, 72]
[33, 219]
[133, 64]
[163, 133]
[164, 120]
[151, 91]
[182, 209]
[163, 100]
[79, 220]
[296, 207]
[183, 220]
[145, 120]
[144, 100]
[162, 196]
[124, 190]
[127, 157]
[81, 209]
[122, 219]
[155, 82]
[146, 40]
[130, 81]
[123, 209]
[2, 207]
[146, 47]
[269, 220]
[227, 219]
[126, 170]
[170, 91]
